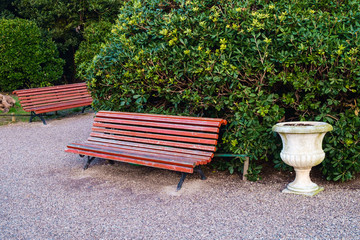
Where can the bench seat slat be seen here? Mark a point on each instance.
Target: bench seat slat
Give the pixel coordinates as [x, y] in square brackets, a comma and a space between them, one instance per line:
[58, 106]
[151, 146]
[119, 115]
[197, 158]
[158, 142]
[157, 124]
[134, 161]
[147, 156]
[156, 136]
[53, 100]
[45, 103]
[157, 130]
[61, 108]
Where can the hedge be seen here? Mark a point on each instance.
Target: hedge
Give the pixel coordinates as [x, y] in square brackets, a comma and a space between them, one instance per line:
[254, 63]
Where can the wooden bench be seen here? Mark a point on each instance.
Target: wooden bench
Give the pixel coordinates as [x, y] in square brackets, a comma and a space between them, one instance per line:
[169, 142]
[50, 99]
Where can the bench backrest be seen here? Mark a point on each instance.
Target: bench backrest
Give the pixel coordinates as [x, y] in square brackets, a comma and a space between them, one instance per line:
[56, 97]
[191, 135]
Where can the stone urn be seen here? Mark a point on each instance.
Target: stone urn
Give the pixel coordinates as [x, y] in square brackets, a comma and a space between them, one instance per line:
[302, 149]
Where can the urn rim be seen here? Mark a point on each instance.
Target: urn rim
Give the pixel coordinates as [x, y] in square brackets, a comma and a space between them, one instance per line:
[302, 127]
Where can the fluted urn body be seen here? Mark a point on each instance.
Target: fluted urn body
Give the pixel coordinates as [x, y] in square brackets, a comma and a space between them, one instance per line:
[302, 149]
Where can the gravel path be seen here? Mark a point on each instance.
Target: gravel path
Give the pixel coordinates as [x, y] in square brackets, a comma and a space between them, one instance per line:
[45, 194]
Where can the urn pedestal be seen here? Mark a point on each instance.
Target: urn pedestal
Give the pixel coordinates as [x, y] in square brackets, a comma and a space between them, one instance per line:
[302, 149]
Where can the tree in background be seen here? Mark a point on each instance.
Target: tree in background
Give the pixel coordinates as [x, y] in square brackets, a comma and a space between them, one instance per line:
[66, 22]
[28, 57]
[6, 8]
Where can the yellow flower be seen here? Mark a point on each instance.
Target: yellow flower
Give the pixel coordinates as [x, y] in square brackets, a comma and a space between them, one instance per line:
[187, 31]
[282, 17]
[223, 40]
[267, 40]
[187, 52]
[163, 32]
[199, 48]
[173, 41]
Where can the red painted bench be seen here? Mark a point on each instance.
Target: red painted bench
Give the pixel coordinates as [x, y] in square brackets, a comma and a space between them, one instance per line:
[50, 99]
[169, 142]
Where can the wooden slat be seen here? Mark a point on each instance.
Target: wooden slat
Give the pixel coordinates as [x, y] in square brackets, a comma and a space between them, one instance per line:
[48, 101]
[156, 136]
[186, 157]
[223, 121]
[147, 156]
[157, 124]
[134, 161]
[119, 115]
[59, 107]
[36, 90]
[64, 102]
[57, 92]
[151, 146]
[158, 142]
[68, 104]
[83, 92]
[197, 158]
[157, 130]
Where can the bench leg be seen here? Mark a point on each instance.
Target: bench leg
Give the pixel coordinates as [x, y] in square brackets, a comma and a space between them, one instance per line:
[183, 176]
[88, 162]
[83, 109]
[198, 170]
[33, 114]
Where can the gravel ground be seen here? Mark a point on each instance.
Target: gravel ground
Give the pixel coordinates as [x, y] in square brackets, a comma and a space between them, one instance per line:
[45, 194]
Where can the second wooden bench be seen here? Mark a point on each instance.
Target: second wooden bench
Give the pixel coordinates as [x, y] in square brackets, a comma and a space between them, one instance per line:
[50, 99]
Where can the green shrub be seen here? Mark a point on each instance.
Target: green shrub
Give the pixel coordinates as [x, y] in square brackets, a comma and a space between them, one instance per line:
[27, 57]
[252, 62]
